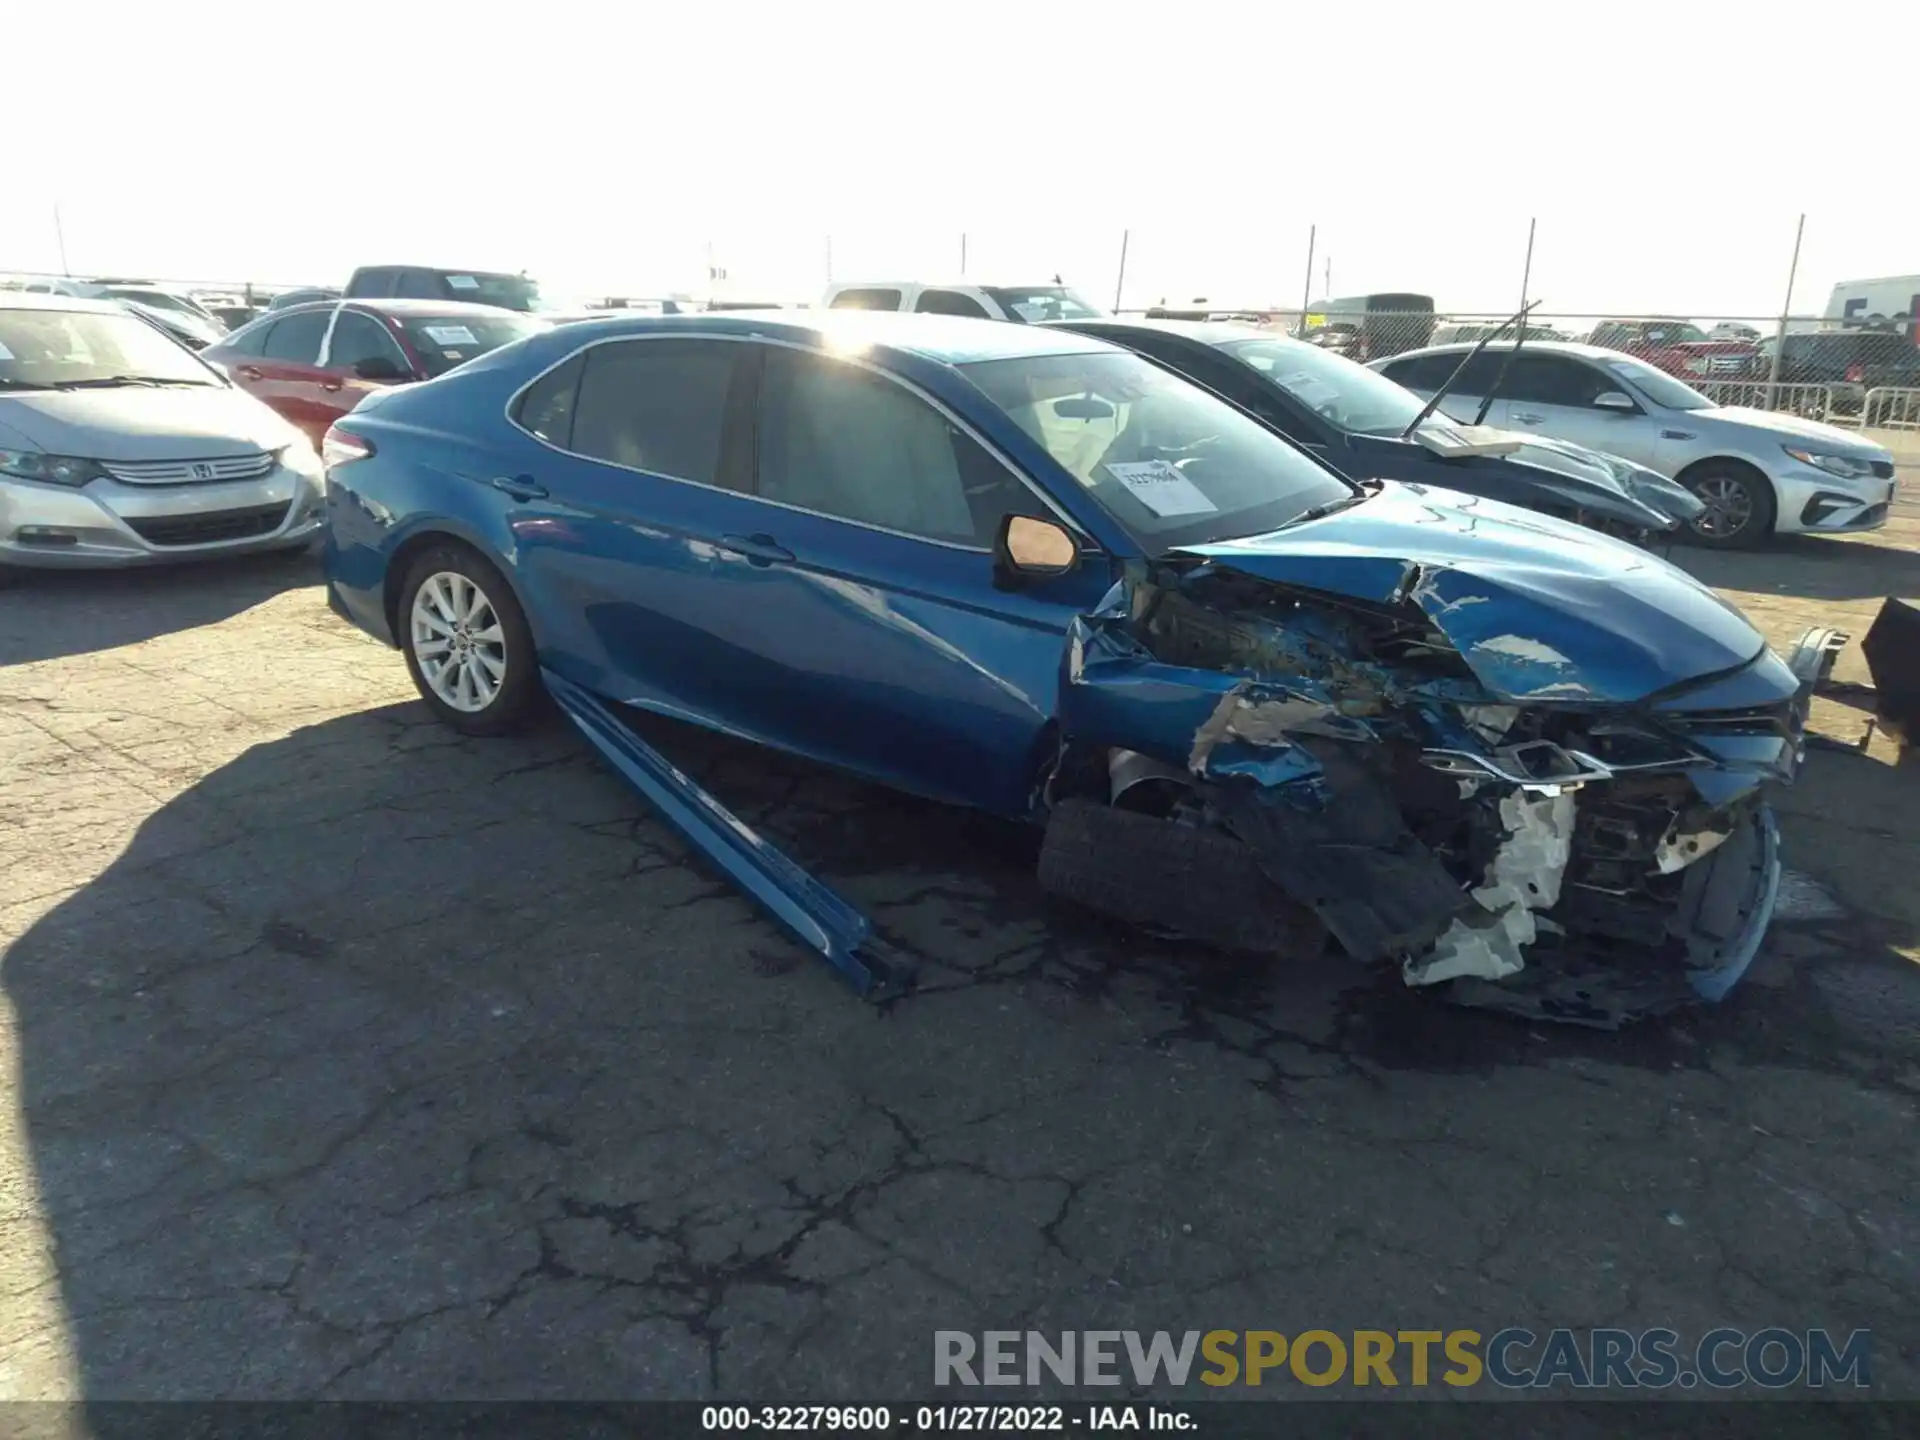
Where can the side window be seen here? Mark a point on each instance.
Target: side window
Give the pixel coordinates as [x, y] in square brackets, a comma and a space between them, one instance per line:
[950, 302]
[546, 409]
[1423, 372]
[357, 337]
[376, 281]
[866, 300]
[839, 440]
[1553, 380]
[297, 337]
[250, 341]
[658, 405]
[419, 285]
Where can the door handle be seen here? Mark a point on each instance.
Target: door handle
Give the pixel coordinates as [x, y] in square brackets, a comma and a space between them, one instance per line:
[520, 487]
[330, 385]
[760, 550]
[1527, 417]
[252, 372]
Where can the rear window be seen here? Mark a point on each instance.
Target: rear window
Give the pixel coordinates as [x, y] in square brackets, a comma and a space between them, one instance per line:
[1034, 303]
[868, 299]
[444, 341]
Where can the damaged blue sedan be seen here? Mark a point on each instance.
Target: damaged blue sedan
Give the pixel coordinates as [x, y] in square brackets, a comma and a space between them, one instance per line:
[1250, 701]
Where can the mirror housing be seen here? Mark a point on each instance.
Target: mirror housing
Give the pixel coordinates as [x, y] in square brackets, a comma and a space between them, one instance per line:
[378, 367]
[1028, 549]
[1615, 400]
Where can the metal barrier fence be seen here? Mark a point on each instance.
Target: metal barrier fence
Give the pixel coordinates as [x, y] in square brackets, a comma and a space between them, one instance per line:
[1891, 407]
[1812, 402]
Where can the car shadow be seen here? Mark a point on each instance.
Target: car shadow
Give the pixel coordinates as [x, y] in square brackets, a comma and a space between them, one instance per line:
[1831, 568]
[386, 1063]
[55, 613]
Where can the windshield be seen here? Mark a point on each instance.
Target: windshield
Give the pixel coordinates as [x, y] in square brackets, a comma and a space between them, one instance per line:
[443, 342]
[1172, 463]
[1348, 395]
[52, 349]
[1657, 385]
[1035, 303]
[508, 292]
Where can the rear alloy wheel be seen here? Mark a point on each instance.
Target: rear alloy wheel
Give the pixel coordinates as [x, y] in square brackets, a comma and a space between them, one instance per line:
[1739, 513]
[467, 643]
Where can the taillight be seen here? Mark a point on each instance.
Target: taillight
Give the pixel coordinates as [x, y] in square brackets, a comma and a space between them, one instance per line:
[340, 447]
[1856, 372]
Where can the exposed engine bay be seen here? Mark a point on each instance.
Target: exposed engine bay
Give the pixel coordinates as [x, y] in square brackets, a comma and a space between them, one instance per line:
[1273, 768]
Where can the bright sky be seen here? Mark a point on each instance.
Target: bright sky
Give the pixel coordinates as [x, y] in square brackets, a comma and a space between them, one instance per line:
[1666, 149]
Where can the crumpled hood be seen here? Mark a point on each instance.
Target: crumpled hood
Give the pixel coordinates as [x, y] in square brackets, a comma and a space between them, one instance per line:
[133, 422]
[1588, 479]
[1541, 610]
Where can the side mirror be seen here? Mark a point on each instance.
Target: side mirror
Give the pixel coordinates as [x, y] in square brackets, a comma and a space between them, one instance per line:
[1615, 400]
[378, 367]
[1029, 549]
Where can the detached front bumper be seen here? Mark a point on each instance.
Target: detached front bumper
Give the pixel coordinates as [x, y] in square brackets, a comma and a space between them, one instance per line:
[1814, 503]
[107, 524]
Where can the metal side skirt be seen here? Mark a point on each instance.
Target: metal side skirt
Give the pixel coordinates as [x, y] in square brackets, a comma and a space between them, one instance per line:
[815, 915]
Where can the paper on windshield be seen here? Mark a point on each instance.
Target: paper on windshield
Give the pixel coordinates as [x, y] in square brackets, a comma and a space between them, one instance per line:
[1160, 487]
[5, 353]
[463, 282]
[445, 335]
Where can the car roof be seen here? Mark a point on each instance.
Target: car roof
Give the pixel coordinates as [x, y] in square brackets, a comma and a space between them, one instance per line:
[1543, 347]
[947, 339]
[398, 309]
[1207, 332]
[23, 300]
[965, 283]
[444, 270]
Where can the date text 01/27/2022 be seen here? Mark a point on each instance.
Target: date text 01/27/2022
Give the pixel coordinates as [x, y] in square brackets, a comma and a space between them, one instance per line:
[997, 1419]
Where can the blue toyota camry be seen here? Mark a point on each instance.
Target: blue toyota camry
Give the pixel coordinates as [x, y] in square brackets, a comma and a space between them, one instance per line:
[1024, 570]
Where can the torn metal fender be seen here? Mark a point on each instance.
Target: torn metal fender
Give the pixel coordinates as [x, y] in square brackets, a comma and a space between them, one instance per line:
[814, 914]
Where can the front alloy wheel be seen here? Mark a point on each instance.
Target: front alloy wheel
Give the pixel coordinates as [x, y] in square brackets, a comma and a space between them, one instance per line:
[458, 641]
[467, 643]
[1739, 509]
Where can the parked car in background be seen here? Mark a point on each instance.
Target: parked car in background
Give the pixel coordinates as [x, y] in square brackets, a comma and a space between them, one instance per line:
[47, 285]
[1362, 424]
[160, 297]
[1850, 362]
[421, 282]
[1020, 303]
[314, 363]
[1371, 327]
[288, 298]
[1731, 330]
[1757, 472]
[120, 447]
[1245, 698]
[1678, 347]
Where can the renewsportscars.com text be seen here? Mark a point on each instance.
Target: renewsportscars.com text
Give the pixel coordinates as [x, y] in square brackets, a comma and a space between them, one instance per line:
[1515, 1358]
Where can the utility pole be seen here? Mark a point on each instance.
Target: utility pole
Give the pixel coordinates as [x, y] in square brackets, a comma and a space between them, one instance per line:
[1526, 270]
[963, 254]
[1306, 295]
[829, 259]
[60, 234]
[1121, 280]
[1786, 309]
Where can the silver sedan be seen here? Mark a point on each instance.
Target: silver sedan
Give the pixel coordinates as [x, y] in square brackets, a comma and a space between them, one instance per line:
[1758, 473]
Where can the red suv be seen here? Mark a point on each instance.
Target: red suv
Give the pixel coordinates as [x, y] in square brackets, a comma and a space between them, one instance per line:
[1679, 348]
[314, 363]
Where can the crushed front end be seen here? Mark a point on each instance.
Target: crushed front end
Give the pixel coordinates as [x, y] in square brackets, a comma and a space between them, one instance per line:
[1274, 765]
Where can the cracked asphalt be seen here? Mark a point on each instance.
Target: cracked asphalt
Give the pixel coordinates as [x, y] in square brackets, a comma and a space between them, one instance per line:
[344, 1057]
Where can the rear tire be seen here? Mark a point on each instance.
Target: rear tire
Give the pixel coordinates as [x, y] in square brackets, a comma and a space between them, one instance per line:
[467, 643]
[1740, 506]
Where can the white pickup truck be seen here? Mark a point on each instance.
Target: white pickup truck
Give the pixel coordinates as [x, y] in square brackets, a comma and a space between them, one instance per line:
[1026, 304]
